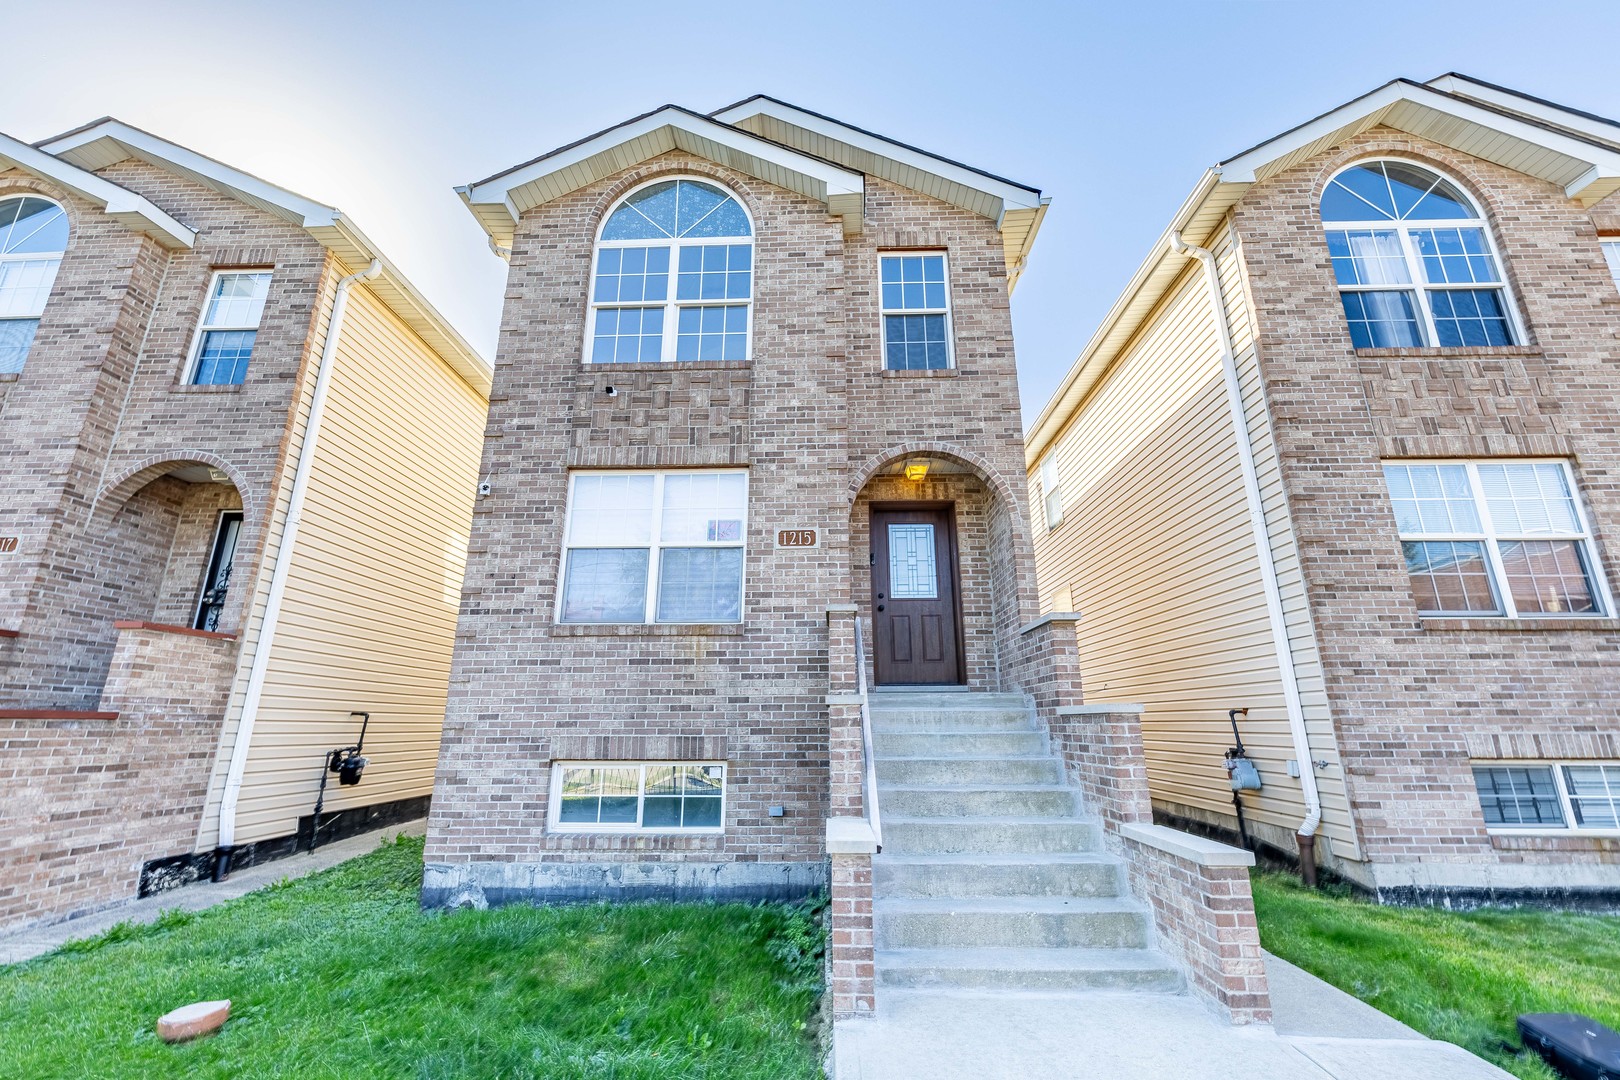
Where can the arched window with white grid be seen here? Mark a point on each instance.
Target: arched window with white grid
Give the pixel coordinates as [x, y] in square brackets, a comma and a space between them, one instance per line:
[1415, 261]
[33, 236]
[674, 277]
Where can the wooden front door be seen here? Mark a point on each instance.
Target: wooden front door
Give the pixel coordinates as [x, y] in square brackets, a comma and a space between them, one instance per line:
[915, 611]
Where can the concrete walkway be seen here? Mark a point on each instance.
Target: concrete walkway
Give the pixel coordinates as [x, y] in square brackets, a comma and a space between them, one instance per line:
[1320, 1033]
[27, 944]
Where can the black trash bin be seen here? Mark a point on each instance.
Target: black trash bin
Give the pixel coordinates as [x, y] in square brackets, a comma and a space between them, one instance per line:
[1575, 1045]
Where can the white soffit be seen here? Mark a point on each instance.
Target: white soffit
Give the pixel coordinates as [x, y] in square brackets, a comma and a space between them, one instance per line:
[118, 202]
[107, 142]
[500, 200]
[1017, 209]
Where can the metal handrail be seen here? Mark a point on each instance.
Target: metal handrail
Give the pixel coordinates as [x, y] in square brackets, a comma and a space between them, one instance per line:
[869, 801]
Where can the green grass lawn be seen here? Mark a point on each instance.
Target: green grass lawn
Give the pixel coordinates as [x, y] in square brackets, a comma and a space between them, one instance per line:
[1463, 978]
[341, 975]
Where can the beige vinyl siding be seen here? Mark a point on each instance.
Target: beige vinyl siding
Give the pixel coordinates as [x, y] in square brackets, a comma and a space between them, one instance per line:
[369, 616]
[1156, 553]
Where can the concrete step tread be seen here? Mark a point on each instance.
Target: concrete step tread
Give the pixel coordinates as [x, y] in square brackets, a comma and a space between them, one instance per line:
[1026, 959]
[959, 759]
[1033, 858]
[960, 733]
[1005, 905]
[911, 699]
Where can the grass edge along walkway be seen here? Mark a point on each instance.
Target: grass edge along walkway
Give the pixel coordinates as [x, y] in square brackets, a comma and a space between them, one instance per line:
[341, 975]
[1463, 977]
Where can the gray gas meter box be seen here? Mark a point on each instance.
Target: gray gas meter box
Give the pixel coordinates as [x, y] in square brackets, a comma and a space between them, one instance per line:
[1245, 777]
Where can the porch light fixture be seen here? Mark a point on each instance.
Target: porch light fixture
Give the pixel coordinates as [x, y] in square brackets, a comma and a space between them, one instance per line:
[916, 470]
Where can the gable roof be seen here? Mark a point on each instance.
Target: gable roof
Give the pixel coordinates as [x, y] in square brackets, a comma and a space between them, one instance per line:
[779, 143]
[117, 201]
[107, 141]
[1577, 151]
[1017, 209]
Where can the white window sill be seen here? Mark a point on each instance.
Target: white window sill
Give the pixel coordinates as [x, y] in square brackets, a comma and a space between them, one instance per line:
[1530, 625]
[646, 629]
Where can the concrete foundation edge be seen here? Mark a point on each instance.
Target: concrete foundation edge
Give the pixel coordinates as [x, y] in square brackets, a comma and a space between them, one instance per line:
[493, 884]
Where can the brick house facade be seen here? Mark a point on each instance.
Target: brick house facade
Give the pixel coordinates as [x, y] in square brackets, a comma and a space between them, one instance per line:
[822, 427]
[1459, 754]
[148, 490]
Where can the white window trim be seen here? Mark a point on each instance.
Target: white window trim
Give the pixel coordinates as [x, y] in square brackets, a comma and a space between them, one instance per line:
[1610, 246]
[1564, 798]
[554, 804]
[195, 355]
[671, 305]
[654, 546]
[34, 256]
[1419, 283]
[1492, 539]
[884, 312]
[1051, 484]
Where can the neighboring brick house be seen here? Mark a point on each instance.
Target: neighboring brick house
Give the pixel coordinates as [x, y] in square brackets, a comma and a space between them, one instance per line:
[1370, 495]
[195, 592]
[755, 438]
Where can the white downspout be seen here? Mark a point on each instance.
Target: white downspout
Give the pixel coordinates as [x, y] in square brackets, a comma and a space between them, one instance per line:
[1262, 536]
[278, 577]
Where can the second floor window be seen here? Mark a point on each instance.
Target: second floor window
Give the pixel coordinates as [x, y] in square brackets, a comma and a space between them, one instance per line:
[654, 547]
[1051, 490]
[916, 312]
[1495, 538]
[674, 277]
[33, 236]
[1414, 260]
[230, 327]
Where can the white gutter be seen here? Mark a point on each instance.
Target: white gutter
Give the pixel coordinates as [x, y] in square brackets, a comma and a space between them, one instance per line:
[278, 578]
[1262, 536]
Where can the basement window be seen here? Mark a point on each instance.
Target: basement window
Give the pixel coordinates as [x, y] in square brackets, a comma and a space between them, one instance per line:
[624, 796]
[1576, 796]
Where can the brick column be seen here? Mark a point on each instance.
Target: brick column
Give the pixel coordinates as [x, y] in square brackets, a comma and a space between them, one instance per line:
[850, 845]
[1203, 911]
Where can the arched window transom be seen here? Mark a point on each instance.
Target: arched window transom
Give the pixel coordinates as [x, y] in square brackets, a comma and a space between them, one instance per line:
[33, 235]
[674, 277]
[1414, 259]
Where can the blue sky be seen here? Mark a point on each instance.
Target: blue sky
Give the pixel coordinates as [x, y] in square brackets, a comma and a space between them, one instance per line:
[1114, 110]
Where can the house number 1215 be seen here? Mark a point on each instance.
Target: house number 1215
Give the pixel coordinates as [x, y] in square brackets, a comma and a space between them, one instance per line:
[796, 538]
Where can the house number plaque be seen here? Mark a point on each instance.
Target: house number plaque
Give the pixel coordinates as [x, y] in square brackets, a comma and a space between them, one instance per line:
[798, 538]
[8, 544]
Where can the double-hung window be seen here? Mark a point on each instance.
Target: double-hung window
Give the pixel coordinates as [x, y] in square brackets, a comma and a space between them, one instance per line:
[1051, 490]
[1495, 538]
[1579, 795]
[916, 311]
[33, 236]
[230, 326]
[601, 796]
[1414, 260]
[654, 547]
[674, 277]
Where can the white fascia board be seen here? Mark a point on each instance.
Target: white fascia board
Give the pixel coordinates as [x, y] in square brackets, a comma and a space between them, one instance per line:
[142, 144]
[1547, 112]
[1012, 195]
[120, 202]
[834, 179]
[1604, 162]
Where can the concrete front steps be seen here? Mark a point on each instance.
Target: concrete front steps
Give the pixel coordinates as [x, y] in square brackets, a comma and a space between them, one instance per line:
[989, 879]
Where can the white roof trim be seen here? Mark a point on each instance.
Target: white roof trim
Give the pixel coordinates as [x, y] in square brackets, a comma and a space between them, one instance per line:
[1012, 195]
[1595, 127]
[108, 141]
[517, 190]
[1597, 177]
[1397, 104]
[118, 202]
